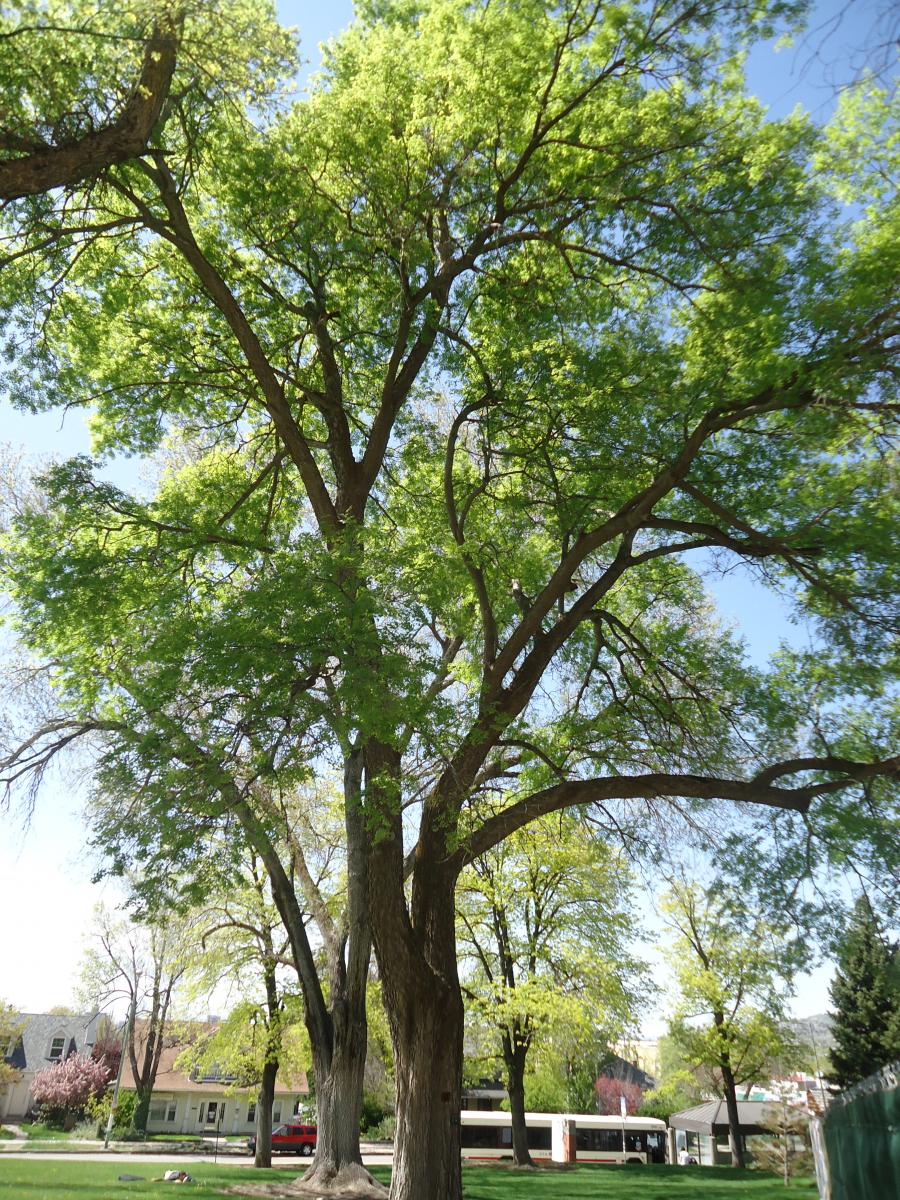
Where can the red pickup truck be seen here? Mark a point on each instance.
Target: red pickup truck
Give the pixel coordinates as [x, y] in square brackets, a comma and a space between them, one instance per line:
[290, 1139]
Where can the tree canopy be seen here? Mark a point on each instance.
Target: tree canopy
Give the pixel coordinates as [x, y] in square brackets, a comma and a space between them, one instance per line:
[466, 365]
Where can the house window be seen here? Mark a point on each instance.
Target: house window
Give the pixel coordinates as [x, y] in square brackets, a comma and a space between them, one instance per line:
[56, 1048]
[212, 1074]
[212, 1112]
[276, 1112]
[163, 1110]
[251, 1112]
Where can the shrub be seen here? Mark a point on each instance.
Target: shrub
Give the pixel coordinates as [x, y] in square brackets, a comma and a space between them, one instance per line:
[63, 1090]
[384, 1130]
[373, 1113]
[125, 1110]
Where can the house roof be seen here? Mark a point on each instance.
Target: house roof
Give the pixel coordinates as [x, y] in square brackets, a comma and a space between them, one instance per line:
[712, 1117]
[170, 1079]
[37, 1031]
[619, 1068]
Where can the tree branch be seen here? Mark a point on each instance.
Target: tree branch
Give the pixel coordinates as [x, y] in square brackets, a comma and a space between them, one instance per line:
[52, 166]
[656, 786]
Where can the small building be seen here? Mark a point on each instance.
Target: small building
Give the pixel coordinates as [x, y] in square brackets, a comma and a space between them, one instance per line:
[487, 1095]
[207, 1103]
[703, 1129]
[39, 1040]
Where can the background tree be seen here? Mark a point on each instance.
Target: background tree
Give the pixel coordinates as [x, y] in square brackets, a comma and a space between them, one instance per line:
[787, 1151]
[107, 1047]
[140, 966]
[733, 971]
[182, 830]
[865, 993]
[62, 1091]
[476, 364]
[678, 1085]
[242, 948]
[611, 1092]
[544, 927]
[10, 1032]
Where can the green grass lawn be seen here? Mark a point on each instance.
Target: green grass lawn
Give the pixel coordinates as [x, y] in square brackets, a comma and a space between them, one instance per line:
[174, 1137]
[48, 1180]
[44, 1133]
[6, 1133]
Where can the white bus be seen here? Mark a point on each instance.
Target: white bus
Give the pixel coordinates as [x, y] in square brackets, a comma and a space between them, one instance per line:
[597, 1139]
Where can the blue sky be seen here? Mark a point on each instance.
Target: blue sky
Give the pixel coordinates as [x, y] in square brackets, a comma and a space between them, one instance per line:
[42, 948]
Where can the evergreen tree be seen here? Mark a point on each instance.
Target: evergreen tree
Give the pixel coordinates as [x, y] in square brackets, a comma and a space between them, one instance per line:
[866, 998]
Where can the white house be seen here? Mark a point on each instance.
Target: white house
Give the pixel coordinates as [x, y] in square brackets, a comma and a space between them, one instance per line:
[209, 1103]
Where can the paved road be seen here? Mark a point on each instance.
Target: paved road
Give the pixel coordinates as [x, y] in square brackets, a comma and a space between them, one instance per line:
[288, 1161]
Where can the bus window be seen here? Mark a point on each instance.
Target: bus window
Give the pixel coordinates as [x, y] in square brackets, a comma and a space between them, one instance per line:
[656, 1147]
[479, 1137]
[538, 1138]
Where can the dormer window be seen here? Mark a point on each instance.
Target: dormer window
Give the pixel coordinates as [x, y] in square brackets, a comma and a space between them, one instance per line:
[212, 1074]
[56, 1049]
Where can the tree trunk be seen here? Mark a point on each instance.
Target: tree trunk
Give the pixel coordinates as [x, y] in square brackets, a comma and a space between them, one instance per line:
[734, 1124]
[427, 1040]
[263, 1154]
[514, 1053]
[337, 1028]
[416, 951]
[141, 1111]
[338, 1161]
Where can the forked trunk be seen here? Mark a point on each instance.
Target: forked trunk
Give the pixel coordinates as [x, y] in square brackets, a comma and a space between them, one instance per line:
[263, 1154]
[338, 1162]
[428, 1065]
[336, 1027]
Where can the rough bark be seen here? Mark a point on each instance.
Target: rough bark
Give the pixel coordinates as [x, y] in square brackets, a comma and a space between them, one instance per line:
[416, 951]
[48, 166]
[263, 1154]
[338, 1163]
[427, 1038]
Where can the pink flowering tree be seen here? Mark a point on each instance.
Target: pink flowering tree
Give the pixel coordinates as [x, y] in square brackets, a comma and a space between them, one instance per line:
[63, 1090]
[609, 1092]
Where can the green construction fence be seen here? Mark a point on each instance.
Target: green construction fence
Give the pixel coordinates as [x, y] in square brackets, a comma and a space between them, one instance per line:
[860, 1135]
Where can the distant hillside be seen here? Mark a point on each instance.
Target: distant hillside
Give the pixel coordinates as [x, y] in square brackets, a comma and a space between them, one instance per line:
[814, 1029]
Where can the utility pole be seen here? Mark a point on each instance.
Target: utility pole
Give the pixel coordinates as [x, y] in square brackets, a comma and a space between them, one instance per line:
[115, 1099]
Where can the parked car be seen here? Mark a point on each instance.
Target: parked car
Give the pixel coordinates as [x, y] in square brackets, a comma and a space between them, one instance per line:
[290, 1139]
